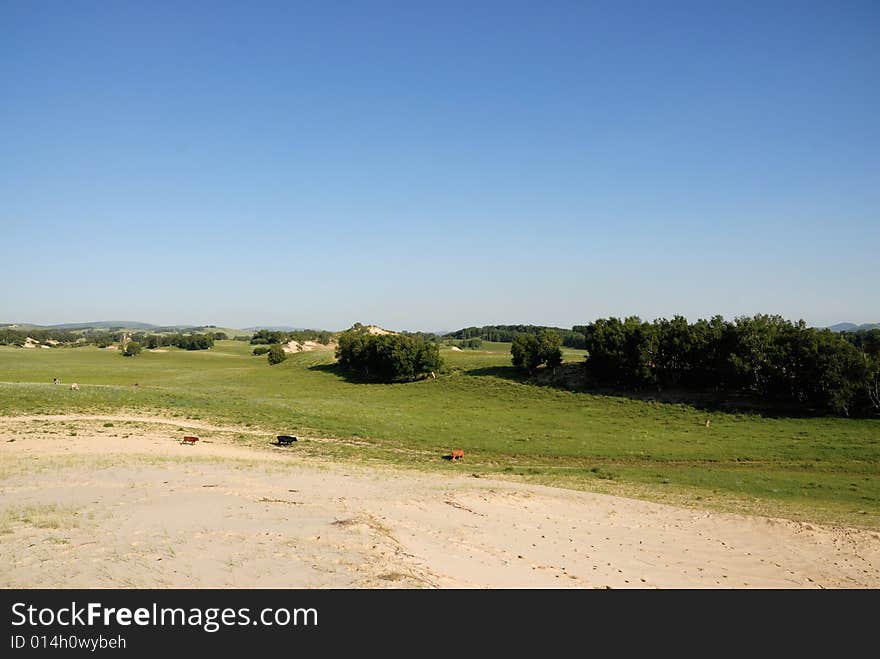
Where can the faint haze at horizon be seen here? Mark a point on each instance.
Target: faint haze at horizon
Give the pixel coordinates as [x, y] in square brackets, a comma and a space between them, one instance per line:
[431, 168]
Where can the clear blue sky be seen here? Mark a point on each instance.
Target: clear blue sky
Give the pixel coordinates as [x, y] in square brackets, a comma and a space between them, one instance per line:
[435, 165]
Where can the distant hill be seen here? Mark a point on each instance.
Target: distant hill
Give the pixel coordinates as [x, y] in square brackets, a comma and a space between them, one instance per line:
[852, 327]
[98, 324]
[274, 328]
[127, 324]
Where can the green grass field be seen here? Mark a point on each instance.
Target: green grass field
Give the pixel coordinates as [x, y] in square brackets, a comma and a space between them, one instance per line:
[820, 469]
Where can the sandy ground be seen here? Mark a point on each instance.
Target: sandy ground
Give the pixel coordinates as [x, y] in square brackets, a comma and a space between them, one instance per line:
[307, 346]
[126, 505]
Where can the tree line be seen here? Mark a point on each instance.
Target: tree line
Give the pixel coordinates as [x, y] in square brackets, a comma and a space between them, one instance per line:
[183, 341]
[765, 355]
[270, 337]
[506, 333]
[102, 339]
[16, 337]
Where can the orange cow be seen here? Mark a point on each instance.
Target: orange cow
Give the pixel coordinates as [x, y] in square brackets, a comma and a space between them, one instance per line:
[457, 453]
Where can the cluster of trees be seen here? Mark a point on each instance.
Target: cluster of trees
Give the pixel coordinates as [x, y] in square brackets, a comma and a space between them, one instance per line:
[867, 341]
[184, 341]
[102, 339]
[506, 333]
[387, 357]
[269, 337]
[16, 337]
[180, 329]
[767, 356]
[529, 351]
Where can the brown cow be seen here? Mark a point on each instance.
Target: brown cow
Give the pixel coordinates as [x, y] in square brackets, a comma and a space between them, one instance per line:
[457, 454]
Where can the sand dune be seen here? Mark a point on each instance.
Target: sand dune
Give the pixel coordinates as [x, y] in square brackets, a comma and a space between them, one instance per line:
[125, 505]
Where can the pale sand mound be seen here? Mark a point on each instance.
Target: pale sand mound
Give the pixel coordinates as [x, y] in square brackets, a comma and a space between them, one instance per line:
[456, 348]
[30, 343]
[307, 346]
[378, 331]
[157, 350]
[315, 345]
[125, 505]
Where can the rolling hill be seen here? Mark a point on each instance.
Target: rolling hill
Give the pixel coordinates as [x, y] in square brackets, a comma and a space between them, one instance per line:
[852, 327]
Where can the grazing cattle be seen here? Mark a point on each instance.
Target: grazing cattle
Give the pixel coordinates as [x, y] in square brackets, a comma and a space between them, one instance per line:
[457, 454]
[190, 440]
[56, 381]
[74, 387]
[284, 440]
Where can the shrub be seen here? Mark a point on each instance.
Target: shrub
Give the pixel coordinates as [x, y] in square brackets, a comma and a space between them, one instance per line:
[261, 350]
[276, 354]
[132, 348]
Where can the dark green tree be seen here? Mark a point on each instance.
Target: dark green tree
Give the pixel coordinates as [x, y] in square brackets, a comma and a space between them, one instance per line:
[529, 351]
[132, 349]
[276, 354]
[387, 357]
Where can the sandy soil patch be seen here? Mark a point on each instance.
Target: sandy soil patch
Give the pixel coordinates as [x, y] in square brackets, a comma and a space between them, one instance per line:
[307, 346]
[456, 348]
[378, 331]
[116, 501]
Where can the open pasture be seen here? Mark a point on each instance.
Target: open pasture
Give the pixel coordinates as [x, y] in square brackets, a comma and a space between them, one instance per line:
[810, 469]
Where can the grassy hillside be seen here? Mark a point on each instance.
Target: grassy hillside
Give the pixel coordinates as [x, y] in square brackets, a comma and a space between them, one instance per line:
[825, 469]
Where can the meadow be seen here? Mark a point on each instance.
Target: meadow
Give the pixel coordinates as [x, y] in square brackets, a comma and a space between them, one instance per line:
[813, 469]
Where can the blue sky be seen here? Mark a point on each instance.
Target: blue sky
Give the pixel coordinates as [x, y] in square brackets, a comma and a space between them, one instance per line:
[435, 165]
